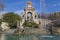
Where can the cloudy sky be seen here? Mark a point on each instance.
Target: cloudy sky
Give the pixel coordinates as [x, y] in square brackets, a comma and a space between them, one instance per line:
[17, 6]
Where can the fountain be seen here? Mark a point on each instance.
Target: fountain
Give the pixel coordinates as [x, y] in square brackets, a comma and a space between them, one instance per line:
[4, 26]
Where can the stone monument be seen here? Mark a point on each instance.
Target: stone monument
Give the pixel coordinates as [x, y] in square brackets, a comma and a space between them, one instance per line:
[29, 14]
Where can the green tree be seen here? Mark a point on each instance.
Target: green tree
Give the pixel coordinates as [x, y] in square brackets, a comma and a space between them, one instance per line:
[30, 24]
[54, 16]
[11, 18]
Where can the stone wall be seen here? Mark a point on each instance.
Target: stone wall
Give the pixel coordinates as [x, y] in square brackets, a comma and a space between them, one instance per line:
[56, 30]
[35, 31]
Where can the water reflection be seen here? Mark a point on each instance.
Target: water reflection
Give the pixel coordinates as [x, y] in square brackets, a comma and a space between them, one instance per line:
[28, 37]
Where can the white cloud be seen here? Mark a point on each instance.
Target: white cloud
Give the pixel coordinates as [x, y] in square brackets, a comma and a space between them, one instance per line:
[3, 12]
[54, 4]
[19, 11]
[58, 4]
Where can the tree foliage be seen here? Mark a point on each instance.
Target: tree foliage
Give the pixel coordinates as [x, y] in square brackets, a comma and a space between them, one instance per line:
[30, 24]
[11, 18]
[54, 16]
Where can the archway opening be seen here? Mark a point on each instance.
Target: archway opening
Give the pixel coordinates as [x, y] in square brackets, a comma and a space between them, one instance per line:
[29, 17]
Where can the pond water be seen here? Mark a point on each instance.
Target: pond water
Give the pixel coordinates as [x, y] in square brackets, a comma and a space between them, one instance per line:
[28, 37]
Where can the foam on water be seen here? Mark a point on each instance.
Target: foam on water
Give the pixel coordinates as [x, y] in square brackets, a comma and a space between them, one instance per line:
[48, 36]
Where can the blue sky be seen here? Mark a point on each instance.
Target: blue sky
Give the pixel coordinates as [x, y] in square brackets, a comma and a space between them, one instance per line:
[18, 5]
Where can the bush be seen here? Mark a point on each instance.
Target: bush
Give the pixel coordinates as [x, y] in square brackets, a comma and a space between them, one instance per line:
[30, 24]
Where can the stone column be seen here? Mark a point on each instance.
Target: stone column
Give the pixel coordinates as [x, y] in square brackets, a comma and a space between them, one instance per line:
[18, 24]
[21, 25]
[33, 15]
[26, 15]
[37, 16]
